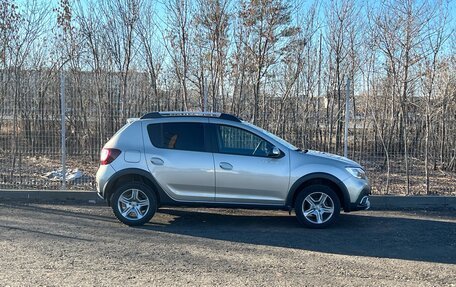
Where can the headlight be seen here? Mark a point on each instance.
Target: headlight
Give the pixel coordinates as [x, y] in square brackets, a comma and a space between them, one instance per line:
[357, 172]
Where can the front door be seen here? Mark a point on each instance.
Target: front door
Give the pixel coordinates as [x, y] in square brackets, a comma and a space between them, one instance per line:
[245, 170]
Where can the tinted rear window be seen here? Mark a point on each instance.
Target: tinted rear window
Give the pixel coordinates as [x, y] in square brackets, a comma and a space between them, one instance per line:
[181, 136]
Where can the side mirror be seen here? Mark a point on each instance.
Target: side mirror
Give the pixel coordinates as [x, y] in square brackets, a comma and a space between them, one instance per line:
[275, 152]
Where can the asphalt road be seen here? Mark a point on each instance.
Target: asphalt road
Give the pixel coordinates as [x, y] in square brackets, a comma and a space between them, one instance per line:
[63, 245]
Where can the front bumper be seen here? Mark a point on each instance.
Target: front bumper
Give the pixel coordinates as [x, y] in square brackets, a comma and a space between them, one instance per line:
[362, 202]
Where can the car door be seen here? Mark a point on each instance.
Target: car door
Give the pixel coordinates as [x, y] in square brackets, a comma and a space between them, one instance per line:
[179, 159]
[245, 171]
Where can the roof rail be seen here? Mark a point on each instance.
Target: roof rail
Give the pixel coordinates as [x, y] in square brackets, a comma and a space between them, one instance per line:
[155, 115]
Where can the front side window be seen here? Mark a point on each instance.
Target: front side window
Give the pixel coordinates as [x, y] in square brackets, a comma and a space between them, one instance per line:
[180, 136]
[232, 140]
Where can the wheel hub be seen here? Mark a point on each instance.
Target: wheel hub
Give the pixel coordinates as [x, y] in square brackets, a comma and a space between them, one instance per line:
[318, 207]
[133, 204]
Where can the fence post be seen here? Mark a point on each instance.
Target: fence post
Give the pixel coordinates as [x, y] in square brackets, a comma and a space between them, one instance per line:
[205, 95]
[347, 117]
[63, 131]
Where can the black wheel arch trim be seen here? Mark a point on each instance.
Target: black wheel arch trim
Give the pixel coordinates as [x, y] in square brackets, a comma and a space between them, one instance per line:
[296, 187]
[110, 185]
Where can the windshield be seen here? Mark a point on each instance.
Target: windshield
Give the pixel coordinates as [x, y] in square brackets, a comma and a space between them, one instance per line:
[276, 138]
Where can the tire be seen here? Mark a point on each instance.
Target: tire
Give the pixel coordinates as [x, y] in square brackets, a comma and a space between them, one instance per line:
[134, 203]
[317, 206]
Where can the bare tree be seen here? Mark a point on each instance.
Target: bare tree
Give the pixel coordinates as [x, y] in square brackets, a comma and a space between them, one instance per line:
[121, 19]
[341, 20]
[30, 26]
[269, 30]
[212, 22]
[280, 64]
[150, 51]
[436, 36]
[400, 31]
[178, 20]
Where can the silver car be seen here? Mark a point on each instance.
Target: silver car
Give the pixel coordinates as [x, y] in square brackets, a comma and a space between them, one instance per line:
[218, 160]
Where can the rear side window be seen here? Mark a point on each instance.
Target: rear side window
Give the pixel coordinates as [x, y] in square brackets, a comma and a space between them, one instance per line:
[180, 136]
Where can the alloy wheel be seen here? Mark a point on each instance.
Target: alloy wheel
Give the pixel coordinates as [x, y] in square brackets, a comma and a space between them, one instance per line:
[318, 207]
[133, 204]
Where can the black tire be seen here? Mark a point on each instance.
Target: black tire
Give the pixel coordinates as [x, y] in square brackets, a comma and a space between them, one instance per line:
[318, 215]
[131, 210]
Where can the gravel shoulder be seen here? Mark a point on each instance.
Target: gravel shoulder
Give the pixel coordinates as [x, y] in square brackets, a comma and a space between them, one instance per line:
[66, 245]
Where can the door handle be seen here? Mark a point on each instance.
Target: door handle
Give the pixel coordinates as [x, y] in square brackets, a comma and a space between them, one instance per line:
[225, 165]
[157, 161]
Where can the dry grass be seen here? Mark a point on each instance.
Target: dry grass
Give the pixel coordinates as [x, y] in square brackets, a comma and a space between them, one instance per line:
[33, 168]
[440, 182]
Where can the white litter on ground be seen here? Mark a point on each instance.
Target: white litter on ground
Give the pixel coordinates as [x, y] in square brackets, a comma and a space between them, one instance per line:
[71, 175]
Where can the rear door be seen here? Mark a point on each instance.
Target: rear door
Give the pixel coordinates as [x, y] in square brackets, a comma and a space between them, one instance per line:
[178, 157]
[245, 171]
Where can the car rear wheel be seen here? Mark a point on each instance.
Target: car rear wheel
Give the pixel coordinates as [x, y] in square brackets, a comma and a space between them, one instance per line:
[317, 206]
[134, 203]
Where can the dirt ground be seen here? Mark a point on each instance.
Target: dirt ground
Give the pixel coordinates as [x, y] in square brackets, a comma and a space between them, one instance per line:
[64, 245]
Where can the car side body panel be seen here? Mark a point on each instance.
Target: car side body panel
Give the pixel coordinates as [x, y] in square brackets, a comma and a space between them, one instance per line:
[258, 180]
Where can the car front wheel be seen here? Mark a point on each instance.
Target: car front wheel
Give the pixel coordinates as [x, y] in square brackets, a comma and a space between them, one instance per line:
[317, 206]
[134, 203]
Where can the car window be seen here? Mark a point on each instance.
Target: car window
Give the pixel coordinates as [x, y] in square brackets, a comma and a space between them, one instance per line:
[234, 140]
[180, 136]
[279, 139]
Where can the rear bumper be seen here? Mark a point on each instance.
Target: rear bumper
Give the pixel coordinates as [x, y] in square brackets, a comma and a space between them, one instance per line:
[104, 173]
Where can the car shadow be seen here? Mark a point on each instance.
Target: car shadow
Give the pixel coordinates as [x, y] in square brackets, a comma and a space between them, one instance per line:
[357, 235]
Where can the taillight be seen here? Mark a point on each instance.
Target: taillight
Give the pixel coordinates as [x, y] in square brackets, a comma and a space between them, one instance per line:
[108, 155]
